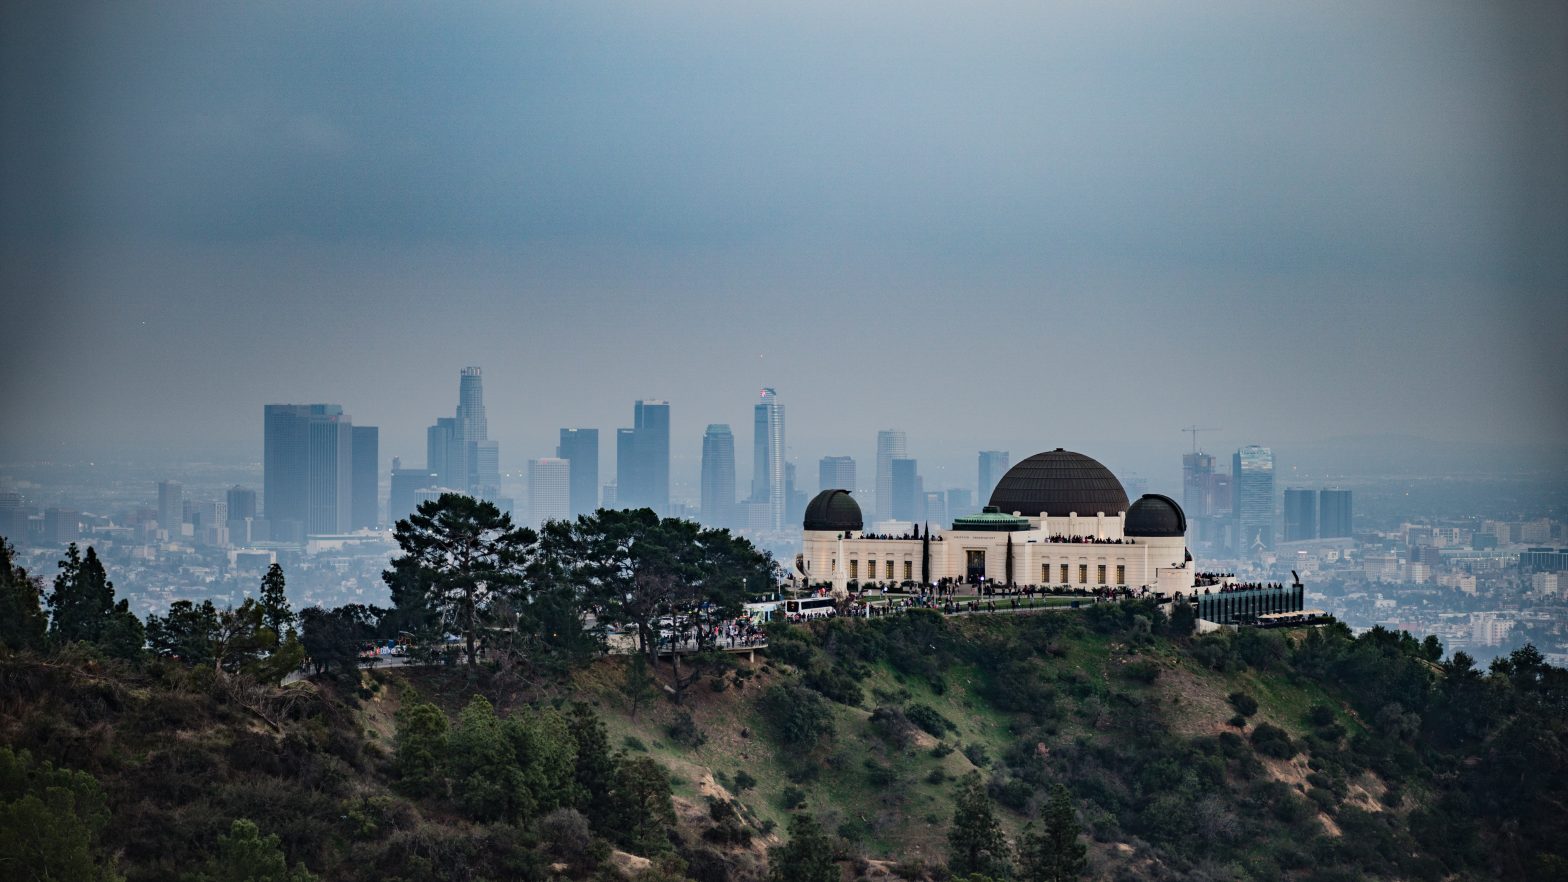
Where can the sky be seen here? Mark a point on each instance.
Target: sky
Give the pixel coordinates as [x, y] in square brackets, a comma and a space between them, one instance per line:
[1016, 225]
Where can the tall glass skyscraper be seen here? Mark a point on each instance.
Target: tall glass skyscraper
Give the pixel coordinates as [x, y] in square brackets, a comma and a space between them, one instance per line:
[767, 476]
[891, 445]
[908, 496]
[1252, 474]
[171, 506]
[549, 490]
[580, 447]
[993, 465]
[307, 470]
[836, 473]
[365, 507]
[1301, 514]
[642, 458]
[458, 448]
[1334, 514]
[718, 476]
[1197, 484]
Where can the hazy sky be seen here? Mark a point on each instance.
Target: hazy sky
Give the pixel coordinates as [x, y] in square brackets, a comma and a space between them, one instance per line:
[1030, 224]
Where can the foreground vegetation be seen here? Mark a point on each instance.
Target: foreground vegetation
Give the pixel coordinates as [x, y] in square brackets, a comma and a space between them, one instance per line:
[1108, 742]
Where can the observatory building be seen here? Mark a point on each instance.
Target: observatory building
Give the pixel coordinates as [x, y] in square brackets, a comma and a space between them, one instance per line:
[1057, 518]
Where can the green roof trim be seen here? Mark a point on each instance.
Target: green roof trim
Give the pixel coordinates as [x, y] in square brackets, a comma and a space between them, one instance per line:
[991, 522]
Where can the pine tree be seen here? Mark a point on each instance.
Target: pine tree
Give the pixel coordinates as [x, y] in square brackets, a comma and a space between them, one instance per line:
[594, 776]
[420, 749]
[82, 600]
[1054, 854]
[644, 808]
[22, 620]
[244, 855]
[483, 766]
[276, 612]
[807, 857]
[976, 843]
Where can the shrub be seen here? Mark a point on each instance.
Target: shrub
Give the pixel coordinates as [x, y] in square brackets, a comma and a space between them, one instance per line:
[835, 683]
[1244, 704]
[893, 726]
[1238, 721]
[1320, 715]
[744, 781]
[684, 731]
[632, 742]
[977, 754]
[1142, 671]
[929, 719]
[1271, 740]
[799, 716]
[565, 832]
[792, 798]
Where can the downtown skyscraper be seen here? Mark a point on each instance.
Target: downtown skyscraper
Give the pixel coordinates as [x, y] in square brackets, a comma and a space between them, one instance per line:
[580, 447]
[718, 476]
[458, 449]
[308, 470]
[1252, 474]
[836, 473]
[767, 476]
[549, 490]
[642, 458]
[993, 465]
[891, 445]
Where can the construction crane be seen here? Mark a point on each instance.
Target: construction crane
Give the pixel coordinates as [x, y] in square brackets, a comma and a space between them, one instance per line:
[1194, 430]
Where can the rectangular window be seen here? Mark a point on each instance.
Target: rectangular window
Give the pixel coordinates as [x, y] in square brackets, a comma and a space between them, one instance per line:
[854, 569]
[1083, 574]
[1121, 574]
[1100, 574]
[909, 570]
[1045, 572]
[889, 570]
[1064, 574]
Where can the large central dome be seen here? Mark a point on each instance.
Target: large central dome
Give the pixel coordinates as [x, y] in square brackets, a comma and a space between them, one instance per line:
[1059, 482]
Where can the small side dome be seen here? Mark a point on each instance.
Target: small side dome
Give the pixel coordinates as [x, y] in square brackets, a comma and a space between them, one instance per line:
[1155, 517]
[833, 511]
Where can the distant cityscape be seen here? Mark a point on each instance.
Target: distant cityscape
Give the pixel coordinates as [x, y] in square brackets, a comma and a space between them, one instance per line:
[324, 506]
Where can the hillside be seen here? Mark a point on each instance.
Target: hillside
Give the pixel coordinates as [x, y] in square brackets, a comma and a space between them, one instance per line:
[1256, 756]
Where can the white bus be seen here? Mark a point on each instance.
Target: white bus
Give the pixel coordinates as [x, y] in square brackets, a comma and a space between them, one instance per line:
[809, 607]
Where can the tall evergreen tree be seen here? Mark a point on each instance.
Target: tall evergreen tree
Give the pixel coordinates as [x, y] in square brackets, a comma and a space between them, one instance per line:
[244, 855]
[1054, 854]
[976, 843]
[460, 554]
[594, 775]
[22, 620]
[51, 821]
[485, 775]
[82, 600]
[807, 857]
[644, 807]
[420, 749]
[276, 613]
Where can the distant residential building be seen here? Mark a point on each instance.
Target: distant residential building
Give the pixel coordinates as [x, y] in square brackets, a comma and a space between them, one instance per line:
[891, 444]
[1301, 514]
[1551, 584]
[718, 476]
[1489, 629]
[836, 473]
[1253, 473]
[993, 465]
[171, 506]
[1334, 513]
[580, 447]
[549, 490]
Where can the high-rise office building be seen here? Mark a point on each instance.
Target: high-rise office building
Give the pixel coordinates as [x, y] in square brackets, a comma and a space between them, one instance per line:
[906, 493]
[1334, 514]
[365, 493]
[549, 490]
[458, 448]
[171, 506]
[62, 525]
[767, 474]
[307, 466]
[935, 508]
[993, 465]
[406, 484]
[891, 445]
[642, 458]
[1301, 514]
[1197, 484]
[958, 503]
[13, 517]
[836, 473]
[580, 447]
[1252, 474]
[241, 503]
[718, 476]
